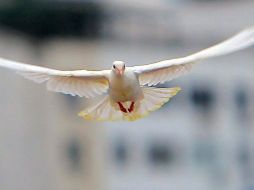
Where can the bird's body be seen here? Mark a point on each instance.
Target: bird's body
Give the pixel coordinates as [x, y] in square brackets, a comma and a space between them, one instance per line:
[130, 94]
[124, 88]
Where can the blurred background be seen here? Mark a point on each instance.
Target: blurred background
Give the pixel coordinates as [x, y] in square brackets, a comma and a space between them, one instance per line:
[203, 139]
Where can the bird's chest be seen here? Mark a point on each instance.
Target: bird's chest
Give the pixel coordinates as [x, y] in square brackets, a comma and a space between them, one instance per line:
[125, 88]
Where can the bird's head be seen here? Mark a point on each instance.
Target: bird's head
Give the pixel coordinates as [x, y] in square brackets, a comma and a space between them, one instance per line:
[118, 68]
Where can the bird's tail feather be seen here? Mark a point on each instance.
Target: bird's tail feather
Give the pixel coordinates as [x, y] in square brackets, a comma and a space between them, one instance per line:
[153, 99]
[102, 111]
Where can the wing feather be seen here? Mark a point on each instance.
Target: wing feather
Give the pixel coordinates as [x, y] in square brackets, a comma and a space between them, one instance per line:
[82, 83]
[160, 72]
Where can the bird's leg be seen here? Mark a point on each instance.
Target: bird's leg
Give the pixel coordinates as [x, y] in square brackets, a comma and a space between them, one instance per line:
[122, 108]
[131, 107]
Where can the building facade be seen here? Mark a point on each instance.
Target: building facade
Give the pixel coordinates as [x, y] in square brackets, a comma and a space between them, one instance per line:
[201, 139]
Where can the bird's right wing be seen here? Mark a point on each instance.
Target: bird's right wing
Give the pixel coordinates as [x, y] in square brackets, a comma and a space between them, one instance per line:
[167, 70]
[81, 82]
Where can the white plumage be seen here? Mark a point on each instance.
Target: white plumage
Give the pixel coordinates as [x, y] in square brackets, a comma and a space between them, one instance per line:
[130, 96]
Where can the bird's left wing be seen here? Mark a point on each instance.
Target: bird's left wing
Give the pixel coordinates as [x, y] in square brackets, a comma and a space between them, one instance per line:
[167, 70]
[80, 82]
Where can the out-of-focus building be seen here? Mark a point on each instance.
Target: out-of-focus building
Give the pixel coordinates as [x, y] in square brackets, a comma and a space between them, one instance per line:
[202, 139]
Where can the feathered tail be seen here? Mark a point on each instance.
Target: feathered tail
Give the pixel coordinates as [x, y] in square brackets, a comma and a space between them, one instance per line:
[102, 111]
[153, 99]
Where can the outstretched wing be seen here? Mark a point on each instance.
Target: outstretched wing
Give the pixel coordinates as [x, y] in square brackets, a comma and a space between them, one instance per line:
[81, 82]
[167, 70]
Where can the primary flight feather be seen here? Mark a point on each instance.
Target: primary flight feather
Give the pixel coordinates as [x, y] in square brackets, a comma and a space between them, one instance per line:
[130, 94]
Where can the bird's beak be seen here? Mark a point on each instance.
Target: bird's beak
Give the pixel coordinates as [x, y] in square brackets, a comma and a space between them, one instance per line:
[120, 71]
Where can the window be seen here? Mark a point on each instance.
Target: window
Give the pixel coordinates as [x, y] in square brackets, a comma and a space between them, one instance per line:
[241, 101]
[205, 153]
[202, 98]
[120, 152]
[160, 154]
[74, 155]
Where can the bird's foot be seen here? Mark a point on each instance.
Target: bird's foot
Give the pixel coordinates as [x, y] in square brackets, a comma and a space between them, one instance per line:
[122, 108]
[131, 107]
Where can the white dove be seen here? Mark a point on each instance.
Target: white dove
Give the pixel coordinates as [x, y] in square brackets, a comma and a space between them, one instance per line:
[130, 94]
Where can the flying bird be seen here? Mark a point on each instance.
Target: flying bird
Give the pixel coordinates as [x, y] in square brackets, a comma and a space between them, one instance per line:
[130, 91]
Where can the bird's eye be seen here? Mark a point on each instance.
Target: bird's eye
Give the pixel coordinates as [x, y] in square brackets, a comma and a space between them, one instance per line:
[114, 66]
